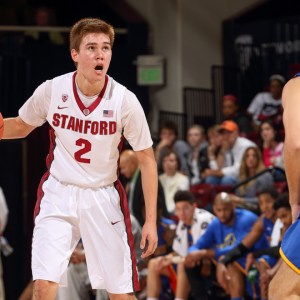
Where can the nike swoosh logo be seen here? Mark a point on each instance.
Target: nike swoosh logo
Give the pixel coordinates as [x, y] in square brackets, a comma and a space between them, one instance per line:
[62, 107]
[114, 223]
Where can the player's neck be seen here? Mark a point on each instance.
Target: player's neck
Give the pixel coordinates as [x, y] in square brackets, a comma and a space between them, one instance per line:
[88, 88]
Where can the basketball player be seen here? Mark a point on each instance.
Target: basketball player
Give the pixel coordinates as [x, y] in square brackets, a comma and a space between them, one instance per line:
[80, 195]
[286, 282]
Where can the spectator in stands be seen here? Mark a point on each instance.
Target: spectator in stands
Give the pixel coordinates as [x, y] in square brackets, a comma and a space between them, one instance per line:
[272, 148]
[130, 170]
[171, 179]
[222, 235]
[251, 165]
[283, 211]
[168, 141]
[231, 111]
[232, 150]
[262, 228]
[197, 159]
[192, 224]
[266, 258]
[215, 160]
[267, 105]
[44, 17]
[284, 214]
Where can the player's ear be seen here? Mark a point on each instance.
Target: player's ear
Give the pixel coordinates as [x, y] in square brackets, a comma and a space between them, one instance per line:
[74, 55]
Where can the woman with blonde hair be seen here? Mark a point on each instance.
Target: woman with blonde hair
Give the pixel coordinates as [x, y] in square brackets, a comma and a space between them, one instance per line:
[251, 165]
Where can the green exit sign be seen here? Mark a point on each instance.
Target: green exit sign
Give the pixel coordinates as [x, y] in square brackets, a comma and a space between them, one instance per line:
[150, 76]
[150, 70]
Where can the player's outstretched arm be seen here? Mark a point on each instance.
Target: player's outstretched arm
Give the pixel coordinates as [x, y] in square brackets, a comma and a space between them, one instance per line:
[14, 128]
[291, 121]
[149, 182]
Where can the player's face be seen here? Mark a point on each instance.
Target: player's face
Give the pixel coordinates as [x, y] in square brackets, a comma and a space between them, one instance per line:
[93, 57]
[224, 212]
[285, 216]
[194, 137]
[185, 212]
[266, 203]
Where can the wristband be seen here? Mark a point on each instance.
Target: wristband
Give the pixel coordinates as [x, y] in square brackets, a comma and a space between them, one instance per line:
[234, 254]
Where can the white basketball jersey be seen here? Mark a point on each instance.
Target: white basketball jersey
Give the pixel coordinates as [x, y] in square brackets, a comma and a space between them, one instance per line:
[85, 140]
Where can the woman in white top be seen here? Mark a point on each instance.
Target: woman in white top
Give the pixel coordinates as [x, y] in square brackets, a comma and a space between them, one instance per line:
[171, 179]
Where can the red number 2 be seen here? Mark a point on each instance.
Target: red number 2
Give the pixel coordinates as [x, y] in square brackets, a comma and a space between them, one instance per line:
[86, 147]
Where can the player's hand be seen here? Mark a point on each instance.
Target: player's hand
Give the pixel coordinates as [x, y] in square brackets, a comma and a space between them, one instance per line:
[1, 126]
[149, 239]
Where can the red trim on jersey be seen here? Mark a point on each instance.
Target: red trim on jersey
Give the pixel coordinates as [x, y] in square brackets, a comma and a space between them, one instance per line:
[120, 147]
[49, 159]
[93, 106]
[130, 238]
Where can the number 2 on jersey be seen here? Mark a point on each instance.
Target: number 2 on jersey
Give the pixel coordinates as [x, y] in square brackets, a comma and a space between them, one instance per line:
[86, 147]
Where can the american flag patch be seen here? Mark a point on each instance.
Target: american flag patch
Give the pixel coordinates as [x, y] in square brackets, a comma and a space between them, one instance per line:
[108, 113]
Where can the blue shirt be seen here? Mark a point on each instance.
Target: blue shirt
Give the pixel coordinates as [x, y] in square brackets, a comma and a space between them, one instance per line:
[223, 238]
[164, 222]
[268, 228]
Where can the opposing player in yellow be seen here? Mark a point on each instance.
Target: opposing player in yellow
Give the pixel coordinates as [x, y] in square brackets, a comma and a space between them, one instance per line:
[286, 282]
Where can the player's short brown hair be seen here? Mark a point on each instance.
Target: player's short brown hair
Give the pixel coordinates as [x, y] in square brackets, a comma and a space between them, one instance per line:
[89, 25]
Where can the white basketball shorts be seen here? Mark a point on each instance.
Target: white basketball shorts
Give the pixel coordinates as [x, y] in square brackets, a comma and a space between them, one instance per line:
[100, 217]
